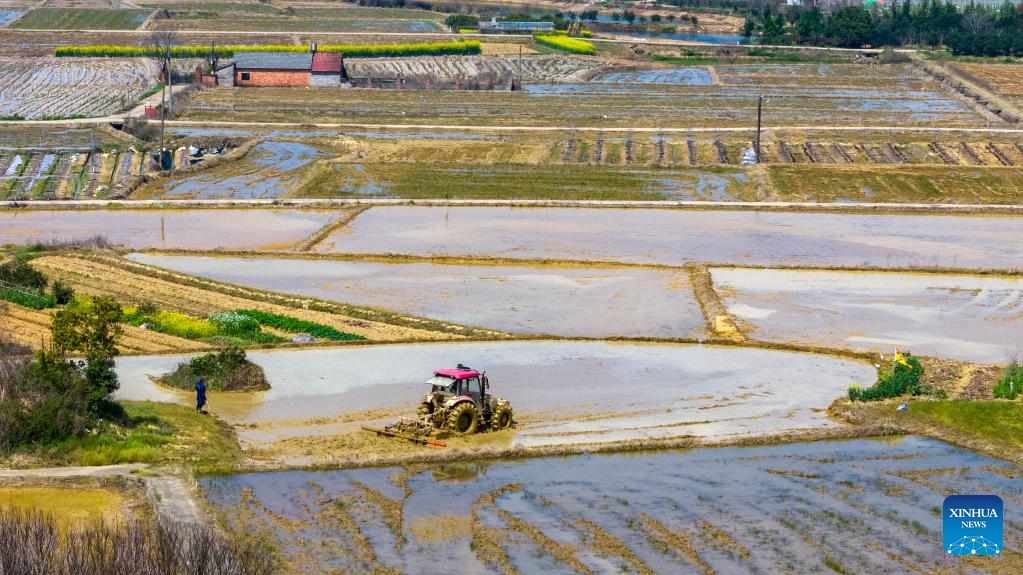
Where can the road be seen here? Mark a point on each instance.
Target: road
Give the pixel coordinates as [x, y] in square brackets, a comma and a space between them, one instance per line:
[172, 496]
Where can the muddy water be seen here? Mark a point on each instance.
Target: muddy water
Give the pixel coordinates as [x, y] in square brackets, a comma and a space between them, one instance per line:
[675, 237]
[969, 318]
[188, 229]
[591, 391]
[268, 171]
[849, 507]
[523, 299]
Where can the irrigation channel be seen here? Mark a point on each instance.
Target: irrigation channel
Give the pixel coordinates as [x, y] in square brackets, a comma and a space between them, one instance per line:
[861, 506]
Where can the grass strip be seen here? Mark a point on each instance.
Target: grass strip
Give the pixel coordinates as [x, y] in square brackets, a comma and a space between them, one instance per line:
[150, 432]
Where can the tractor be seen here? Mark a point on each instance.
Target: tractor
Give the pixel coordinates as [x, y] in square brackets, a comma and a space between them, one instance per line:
[459, 402]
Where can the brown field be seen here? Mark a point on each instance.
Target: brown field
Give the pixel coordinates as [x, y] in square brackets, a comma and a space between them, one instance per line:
[1004, 78]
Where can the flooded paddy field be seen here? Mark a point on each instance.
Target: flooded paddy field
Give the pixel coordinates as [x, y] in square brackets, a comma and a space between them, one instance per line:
[592, 392]
[862, 506]
[268, 171]
[591, 302]
[677, 237]
[186, 229]
[968, 318]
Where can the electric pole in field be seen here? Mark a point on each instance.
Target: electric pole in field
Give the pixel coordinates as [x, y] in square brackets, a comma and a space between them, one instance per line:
[756, 139]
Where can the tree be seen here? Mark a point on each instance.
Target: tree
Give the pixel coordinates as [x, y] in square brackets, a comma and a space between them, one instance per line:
[92, 330]
[629, 16]
[850, 27]
[458, 21]
[163, 43]
[655, 18]
[748, 27]
[810, 26]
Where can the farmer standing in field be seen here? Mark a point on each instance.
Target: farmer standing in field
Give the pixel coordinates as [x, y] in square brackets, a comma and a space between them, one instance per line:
[200, 394]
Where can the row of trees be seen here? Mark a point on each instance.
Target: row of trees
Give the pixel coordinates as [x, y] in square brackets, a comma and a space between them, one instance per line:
[973, 29]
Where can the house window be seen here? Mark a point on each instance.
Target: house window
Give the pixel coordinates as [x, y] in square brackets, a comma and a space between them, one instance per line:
[245, 76]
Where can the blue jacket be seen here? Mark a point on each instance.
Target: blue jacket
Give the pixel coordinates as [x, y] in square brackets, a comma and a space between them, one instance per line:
[200, 390]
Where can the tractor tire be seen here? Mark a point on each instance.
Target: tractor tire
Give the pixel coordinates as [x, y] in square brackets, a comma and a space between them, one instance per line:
[424, 409]
[463, 419]
[501, 418]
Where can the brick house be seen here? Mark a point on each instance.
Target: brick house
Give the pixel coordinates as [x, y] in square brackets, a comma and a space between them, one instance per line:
[272, 69]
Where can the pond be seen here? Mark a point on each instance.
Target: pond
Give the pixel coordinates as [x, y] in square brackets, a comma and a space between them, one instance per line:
[862, 506]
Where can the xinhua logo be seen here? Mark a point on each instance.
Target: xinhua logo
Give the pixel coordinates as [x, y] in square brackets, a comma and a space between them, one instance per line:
[973, 525]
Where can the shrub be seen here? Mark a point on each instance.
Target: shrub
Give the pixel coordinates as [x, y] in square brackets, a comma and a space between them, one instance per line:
[1008, 387]
[62, 293]
[225, 370]
[20, 274]
[460, 47]
[33, 542]
[901, 380]
[295, 325]
[573, 45]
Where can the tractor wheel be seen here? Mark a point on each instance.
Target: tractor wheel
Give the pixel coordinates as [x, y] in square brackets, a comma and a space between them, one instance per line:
[463, 419]
[424, 409]
[501, 418]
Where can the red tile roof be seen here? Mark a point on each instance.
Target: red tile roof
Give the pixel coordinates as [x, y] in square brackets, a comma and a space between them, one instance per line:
[329, 62]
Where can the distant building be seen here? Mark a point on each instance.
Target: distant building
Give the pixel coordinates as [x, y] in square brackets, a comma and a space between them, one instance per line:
[495, 26]
[288, 69]
[272, 69]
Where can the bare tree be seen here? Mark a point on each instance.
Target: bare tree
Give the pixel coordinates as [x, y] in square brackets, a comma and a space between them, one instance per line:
[976, 22]
[163, 41]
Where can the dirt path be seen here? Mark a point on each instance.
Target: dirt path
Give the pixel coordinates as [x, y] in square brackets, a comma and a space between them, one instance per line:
[174, 500]
[172, 496]
[99, 471]
[872, 208]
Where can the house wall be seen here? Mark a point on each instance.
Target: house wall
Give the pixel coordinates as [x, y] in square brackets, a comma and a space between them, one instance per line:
[333, 79]
[273, 78]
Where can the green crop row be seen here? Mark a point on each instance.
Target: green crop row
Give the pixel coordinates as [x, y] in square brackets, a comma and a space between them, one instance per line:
[573, 45]
[460, 47]
[295, 325]
[27, 299]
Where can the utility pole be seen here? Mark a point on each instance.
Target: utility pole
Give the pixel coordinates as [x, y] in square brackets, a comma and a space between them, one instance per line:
[756, 140]
[519, 87]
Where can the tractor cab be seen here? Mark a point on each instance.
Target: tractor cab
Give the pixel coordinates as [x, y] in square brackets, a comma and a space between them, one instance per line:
[460, 381]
